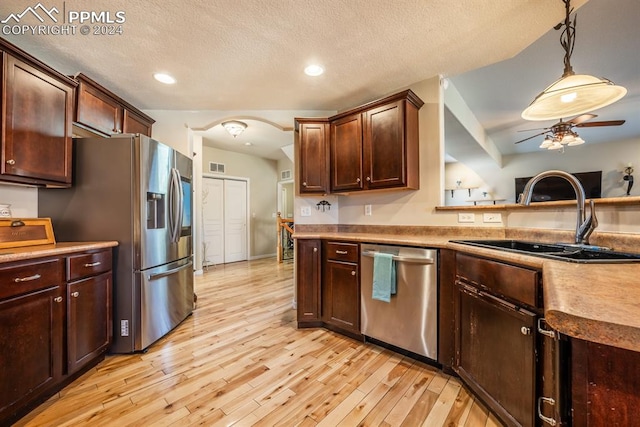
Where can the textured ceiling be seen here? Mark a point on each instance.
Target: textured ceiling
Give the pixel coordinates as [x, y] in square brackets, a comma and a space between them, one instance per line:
[249, 56]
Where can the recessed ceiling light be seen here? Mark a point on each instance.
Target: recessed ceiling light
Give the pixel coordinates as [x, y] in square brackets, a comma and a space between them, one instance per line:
[164, 78]
[313, 70]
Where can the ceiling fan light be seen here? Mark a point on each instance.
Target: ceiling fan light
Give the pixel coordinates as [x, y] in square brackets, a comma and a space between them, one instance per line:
[555, 146]
[573, 95]
[547, 142]
[234, 127]
[576, 141]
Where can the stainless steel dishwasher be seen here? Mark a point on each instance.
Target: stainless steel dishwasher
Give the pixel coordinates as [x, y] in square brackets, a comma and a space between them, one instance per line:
[410, 320]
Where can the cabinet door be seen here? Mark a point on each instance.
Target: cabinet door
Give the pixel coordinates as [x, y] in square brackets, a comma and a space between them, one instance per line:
[385, 151]
[346, 154]
[341, 295]
[97, 110]
[88, 319]
[31, 360]
[495, 353]
[133, 123]
[308, 257]
[313, 173]
[36, 125]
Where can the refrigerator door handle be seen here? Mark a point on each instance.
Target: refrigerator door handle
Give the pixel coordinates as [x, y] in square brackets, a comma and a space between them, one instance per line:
[169, 272]
[175, 205]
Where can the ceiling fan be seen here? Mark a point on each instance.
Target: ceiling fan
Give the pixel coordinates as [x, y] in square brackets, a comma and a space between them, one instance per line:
[562, 133]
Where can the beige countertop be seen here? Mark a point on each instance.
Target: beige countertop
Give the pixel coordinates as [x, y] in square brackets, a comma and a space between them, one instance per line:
[40, 251]
[592, 302]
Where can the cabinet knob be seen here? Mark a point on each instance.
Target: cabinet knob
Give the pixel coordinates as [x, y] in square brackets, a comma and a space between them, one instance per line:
[353, 273]
[75, 294]
[368, 179]
[58, 299]
[315, 250]
[357, 179]
[304, 184]
[525, 331]
[11, 162]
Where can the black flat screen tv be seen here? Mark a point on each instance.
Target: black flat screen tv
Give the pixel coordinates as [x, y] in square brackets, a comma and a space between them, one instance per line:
[554, 188]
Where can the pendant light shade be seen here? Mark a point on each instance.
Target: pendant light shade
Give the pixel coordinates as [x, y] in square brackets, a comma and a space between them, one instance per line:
[572, 94]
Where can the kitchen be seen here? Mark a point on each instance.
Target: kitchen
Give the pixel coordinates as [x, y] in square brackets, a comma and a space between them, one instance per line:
[400, 208]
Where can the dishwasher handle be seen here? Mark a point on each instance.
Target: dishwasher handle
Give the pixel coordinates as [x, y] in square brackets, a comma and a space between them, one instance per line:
[398, 258]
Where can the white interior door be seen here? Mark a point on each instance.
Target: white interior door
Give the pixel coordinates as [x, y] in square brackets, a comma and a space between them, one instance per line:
[213, 221]
[235, 220]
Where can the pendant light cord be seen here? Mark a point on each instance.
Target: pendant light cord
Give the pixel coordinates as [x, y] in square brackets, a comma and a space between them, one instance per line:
[567, 38]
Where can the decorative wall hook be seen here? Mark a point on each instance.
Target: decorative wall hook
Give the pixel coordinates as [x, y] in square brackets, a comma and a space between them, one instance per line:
[323, 204]
[629, 178]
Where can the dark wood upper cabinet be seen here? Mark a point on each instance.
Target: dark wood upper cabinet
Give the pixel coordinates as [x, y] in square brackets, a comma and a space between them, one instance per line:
[375, 146]
[37, 112]
[312, 148]
[101, 111]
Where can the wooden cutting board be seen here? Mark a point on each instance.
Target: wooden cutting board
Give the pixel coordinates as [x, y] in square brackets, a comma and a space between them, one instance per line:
[16, 232]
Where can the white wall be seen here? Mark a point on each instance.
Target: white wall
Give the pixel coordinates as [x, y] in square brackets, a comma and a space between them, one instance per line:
[23, 200]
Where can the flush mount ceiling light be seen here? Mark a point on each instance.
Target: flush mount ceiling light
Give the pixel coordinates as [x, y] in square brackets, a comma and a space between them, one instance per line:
[164, 78]
[234, 127]
[314, 70]
[573, 93]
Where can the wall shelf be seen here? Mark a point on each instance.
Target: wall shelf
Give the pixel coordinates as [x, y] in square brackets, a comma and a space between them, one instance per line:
[461, 188]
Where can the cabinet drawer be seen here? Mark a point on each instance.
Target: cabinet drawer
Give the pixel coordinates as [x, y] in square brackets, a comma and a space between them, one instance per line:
[20, 279]
[88, 264]
[342, 251]
[517, 283]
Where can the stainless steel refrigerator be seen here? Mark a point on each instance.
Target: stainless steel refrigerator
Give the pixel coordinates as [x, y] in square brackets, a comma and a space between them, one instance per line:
[137, 191]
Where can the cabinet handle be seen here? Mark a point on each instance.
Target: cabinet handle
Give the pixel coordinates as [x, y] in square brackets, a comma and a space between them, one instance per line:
[358, 180]
[543, 330]
[550, 401]
[353, 273]
[304, 184]
[368, 179]
[75, 294]
[11, 162]
[58, 299]
[315, 250]
[342, 252]
[27, 279]
[525, 331]
[92, 264]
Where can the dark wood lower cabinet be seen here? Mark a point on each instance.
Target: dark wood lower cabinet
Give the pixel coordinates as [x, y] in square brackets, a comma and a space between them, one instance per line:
[51, 330]
[308, 259]
[605, 385]
[31, 352]
[341, 295]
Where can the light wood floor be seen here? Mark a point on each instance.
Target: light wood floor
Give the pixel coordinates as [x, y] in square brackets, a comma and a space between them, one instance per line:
[239, 360]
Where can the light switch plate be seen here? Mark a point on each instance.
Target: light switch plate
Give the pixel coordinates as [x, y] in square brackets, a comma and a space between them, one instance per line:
[367, 210]
[305, 211]
[466, 217]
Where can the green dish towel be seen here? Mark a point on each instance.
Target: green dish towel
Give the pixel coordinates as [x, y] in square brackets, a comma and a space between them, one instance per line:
[384, 277]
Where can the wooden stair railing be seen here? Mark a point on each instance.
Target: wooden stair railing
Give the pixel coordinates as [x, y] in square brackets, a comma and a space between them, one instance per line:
[282, 224]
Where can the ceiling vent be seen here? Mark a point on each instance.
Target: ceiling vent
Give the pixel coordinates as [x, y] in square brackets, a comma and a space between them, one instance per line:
[216, 167]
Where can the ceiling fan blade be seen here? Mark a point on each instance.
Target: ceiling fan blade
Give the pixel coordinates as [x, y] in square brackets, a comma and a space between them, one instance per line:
[529, 130]
[582, 118]
[526, 139]
[603, 123]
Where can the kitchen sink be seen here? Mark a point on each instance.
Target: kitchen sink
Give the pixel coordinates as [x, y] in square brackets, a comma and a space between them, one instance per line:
[559, 251]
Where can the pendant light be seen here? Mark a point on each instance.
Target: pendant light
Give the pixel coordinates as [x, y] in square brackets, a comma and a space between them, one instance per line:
[572, 94]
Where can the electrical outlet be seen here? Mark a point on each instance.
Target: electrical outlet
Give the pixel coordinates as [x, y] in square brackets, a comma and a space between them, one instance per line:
[305, 211]
[124, 328]
[466, 217]
[491, 217]
[367, 210]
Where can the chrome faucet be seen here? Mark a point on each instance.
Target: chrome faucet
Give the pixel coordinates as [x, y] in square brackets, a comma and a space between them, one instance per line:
[584, 226]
